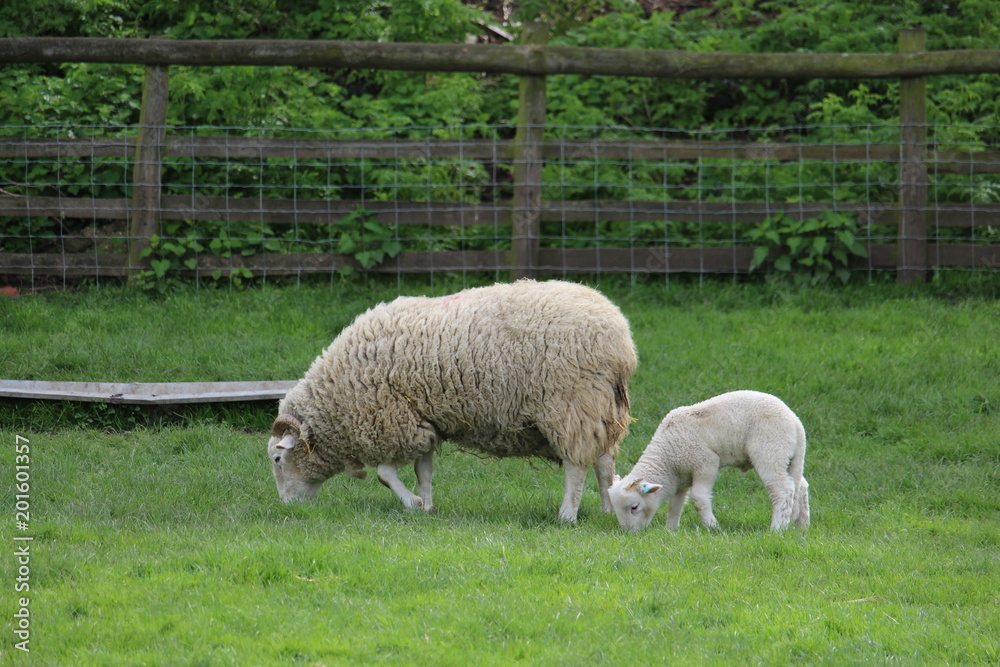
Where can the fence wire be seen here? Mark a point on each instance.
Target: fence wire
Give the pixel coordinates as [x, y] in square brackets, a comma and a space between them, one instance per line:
[816, 202]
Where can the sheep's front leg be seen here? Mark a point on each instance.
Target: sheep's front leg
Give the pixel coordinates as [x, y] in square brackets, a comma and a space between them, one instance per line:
[388, 474]
[575, 476]
[424, 467]
[604, 468]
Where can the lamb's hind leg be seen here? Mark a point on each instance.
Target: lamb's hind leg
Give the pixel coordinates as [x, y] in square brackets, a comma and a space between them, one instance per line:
[801, 513]
[388, 474]
[575, 476]
[781, 488]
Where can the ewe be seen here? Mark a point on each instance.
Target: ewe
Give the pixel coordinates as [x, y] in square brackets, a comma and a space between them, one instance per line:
[526, 369]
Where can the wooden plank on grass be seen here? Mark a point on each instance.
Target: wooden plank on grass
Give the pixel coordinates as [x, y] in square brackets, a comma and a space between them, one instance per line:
[147, 393]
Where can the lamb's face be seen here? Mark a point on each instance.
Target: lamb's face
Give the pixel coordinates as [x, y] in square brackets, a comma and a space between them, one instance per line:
[635, 503]
[292, 480]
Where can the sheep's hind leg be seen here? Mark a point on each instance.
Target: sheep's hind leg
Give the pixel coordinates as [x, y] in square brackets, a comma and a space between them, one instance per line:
[575, 476]
[424, 467]
[388, 474]
[604, 468]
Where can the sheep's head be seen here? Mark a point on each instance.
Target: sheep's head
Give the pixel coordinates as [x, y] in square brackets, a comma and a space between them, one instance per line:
[635, 503]
[297, 478]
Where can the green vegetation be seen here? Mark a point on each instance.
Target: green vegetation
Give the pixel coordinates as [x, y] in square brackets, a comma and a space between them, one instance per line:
[159, 537]
[811, 250]
[94, 101]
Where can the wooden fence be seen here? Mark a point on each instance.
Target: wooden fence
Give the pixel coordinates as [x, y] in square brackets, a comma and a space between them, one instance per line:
[910, 255]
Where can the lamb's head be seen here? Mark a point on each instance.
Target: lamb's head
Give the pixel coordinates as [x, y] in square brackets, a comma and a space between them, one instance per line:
[297, 477]
[635, 502]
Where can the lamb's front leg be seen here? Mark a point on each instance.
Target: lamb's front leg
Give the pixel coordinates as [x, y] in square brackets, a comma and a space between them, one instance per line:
[674, 506]
[388, 474]
[701, 496]
[424, 467]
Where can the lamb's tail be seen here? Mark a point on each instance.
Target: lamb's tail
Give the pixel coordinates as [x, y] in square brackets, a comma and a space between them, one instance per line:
[800, 508]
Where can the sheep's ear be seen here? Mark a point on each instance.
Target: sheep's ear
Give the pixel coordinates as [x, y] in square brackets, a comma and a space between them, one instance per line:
[650, 488]
[287, 442]
[616, 479]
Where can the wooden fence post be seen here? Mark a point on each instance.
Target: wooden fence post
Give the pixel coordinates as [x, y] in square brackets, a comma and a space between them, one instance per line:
[148, 172]
[911, 255]
[527, 154]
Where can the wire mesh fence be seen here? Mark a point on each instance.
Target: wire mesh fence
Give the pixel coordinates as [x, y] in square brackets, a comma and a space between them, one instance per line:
[816, 202]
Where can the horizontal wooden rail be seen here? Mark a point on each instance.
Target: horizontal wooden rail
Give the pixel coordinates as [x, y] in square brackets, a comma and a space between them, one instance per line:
[534, 60]
[459, 214]
[551, 261]
[269, 148]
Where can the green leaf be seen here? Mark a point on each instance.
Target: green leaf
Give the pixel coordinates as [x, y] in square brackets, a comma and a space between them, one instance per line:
[373, 226]
[783, 263]
[160, 267]
[392, 248]
[191, 263]
[759, 255]
[810, 225]
[175, 248]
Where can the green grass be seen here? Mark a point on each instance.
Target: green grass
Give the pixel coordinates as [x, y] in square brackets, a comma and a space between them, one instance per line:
[159, 537]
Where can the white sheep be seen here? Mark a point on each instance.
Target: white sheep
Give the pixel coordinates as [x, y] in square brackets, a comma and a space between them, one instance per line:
[743, 429]
[525, 369]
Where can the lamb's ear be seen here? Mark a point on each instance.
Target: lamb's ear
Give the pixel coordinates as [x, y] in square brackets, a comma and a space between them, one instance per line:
[287, 442]
[616, 479]
[650, 488]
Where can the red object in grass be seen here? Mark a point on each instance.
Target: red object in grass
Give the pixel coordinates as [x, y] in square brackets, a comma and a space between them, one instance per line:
[10, 292]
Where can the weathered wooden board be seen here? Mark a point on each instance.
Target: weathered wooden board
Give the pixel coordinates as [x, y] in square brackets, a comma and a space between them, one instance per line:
[147, 393]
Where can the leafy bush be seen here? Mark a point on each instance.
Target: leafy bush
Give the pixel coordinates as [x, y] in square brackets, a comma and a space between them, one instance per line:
[811, 250]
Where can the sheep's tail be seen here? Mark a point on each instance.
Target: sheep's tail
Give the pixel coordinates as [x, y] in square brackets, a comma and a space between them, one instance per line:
[800, 507]
[617, 428]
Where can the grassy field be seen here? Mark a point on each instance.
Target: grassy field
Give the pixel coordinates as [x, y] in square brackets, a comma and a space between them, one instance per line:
[159, 537]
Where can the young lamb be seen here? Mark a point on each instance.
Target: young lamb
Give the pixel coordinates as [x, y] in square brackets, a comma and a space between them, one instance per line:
[525, 369]
[743, 429]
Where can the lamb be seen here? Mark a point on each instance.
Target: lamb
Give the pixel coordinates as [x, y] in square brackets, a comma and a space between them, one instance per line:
[529, 369]
[741, 428]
